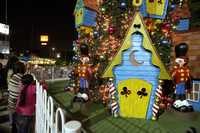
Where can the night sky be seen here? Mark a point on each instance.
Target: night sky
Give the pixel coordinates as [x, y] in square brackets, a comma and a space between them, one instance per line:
[30, 18]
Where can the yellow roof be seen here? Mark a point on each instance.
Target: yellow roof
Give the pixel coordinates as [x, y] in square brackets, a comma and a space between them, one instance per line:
[147, 44]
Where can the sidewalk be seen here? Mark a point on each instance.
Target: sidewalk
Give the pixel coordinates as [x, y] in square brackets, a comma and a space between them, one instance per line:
[4, 114]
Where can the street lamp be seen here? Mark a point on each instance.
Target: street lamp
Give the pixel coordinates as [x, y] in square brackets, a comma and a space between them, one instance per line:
[53, 52]
[58, 55]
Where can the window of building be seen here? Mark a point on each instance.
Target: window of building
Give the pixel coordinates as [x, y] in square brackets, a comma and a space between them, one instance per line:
[194, 96]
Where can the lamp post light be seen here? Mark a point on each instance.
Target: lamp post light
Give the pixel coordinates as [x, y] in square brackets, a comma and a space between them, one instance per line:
[53, 52]
[58, 55]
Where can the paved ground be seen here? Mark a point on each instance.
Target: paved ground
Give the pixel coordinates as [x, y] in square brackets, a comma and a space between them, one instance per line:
[95, 118]
[4, 118]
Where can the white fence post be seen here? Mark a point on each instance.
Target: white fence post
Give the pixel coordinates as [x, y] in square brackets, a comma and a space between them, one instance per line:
[37, 121]
[45, 115]
[50, 115]
[44, 110]
[60, 113]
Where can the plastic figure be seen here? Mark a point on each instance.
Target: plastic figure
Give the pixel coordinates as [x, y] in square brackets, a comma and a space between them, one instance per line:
[181, 72]
[83, 73]
[181, 75]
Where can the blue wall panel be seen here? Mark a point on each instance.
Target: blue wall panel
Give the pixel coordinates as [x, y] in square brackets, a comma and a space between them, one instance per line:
[183, 25]
[89, 18]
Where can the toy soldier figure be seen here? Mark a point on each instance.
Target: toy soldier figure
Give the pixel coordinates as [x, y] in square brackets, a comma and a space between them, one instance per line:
[181, 72]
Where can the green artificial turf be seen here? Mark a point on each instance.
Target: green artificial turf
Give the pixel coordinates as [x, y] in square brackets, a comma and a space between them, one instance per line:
[95, 117]
[177, 122]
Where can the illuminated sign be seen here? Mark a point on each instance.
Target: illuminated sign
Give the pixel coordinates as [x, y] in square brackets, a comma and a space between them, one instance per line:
[44, 43]
[4, 29]
[44, 38]
[4, 47]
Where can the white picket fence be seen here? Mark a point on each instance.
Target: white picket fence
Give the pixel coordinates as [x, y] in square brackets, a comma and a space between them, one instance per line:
[47, 121]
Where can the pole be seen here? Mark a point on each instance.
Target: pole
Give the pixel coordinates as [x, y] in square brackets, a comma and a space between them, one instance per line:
[6, 21]
[6, 12]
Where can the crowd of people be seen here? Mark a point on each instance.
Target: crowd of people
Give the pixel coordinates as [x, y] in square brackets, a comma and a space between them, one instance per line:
[21, 95]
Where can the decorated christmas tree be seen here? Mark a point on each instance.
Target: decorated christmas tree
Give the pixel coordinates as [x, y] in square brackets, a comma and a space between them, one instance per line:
[102, 26]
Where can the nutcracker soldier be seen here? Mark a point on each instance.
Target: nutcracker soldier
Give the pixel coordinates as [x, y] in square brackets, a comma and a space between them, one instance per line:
[181, 72]
[84, 73]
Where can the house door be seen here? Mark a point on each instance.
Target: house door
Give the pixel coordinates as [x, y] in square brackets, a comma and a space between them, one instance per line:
[134, 96]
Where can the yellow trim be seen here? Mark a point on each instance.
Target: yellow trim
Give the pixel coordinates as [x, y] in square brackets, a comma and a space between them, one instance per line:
[137, 3]
[147, 44]
[86, 29]
[79, 16]
[77, 4]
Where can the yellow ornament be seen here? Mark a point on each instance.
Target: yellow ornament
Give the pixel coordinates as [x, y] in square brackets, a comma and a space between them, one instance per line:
[137, 3]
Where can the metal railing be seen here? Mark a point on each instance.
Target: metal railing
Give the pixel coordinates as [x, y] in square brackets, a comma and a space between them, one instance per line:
[51, 72]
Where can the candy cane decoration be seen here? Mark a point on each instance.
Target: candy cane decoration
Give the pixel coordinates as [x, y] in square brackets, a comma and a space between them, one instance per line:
[158, 97]
[112, 90]
[114, 104]
[159, 91]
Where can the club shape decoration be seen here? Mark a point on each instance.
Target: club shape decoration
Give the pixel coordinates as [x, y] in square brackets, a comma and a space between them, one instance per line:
[142, 92]
[125, 92]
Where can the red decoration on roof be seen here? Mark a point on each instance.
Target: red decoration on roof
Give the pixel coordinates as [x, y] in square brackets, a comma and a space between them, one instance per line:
[92, 4]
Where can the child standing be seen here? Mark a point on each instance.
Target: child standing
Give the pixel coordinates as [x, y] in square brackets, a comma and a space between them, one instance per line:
[25, 109]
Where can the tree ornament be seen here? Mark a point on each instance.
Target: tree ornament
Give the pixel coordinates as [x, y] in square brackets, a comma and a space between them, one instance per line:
[174, 27]
[173, 6]
[102, 57]
[180, 3]
[175, 18]
[84, 49]
[111, 29]
[166, 28]
[95, 34]
[165, 41]
[150, 25]
[122, 4]
[103, 9]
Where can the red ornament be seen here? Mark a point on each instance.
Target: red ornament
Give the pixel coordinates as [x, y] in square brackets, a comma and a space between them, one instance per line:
[78, 41]
[166, 25]
[166, 28]
[175, 18]
[111, 29]
[150, 25]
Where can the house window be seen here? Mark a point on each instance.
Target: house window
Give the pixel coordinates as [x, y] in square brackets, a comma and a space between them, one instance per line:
[194, 96]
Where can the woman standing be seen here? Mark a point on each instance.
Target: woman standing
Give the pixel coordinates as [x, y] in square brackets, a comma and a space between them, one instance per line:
[25, 109]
